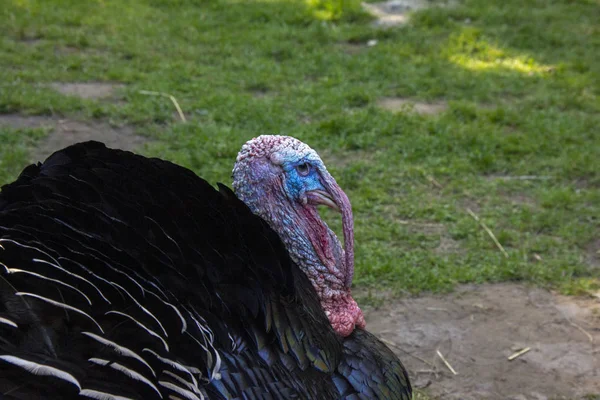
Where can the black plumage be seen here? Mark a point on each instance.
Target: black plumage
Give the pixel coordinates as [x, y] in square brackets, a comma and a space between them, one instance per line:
[128, 276]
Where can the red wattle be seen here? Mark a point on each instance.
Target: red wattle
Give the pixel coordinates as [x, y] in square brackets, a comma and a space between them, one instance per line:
[318, 234]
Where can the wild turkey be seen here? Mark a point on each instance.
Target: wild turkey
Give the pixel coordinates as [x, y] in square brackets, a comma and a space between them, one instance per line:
[125, 277]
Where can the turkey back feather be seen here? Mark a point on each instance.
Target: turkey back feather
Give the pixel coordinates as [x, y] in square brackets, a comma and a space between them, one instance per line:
[128, 277]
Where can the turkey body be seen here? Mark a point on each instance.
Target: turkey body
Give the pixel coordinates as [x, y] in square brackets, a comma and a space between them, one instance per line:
[124, 277]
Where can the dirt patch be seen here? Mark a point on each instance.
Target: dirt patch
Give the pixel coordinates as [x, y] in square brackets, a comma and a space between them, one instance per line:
[352, 48]
[305, 119]
[470, 204]
[30, 40]
[426, 228]
[261, 93]
[17, 121]
[448, 246]
[87, 90]
[397, 104]
[397, 12]
[593, 251]
[477, 328]
[518, 177]
[520, 199]
[64, 132]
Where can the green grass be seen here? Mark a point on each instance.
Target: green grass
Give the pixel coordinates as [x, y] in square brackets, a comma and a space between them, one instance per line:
[15, 145]
[521, 79]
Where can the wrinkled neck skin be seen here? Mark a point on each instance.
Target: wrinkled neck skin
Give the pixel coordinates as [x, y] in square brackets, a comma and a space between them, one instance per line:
[314, 247]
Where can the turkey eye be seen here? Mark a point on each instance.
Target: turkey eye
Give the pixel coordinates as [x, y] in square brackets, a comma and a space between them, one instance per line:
[303, 169]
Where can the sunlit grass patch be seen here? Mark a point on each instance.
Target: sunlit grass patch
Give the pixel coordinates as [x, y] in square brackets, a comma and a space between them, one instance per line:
[470, 50]
[519, 64]
[333, 10]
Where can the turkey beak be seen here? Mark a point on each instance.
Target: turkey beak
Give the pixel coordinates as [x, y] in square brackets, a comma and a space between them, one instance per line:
[320, 197]
[334, 197]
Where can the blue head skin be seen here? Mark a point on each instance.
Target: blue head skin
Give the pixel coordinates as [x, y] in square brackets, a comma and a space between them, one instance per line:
[283, 180]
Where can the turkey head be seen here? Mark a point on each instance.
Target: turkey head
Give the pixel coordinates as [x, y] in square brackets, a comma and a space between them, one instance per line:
[283, 180]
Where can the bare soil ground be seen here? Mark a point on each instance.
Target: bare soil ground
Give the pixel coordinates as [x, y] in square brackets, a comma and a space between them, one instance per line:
[397, 12]
[397, 104]
[65, 132]
[477, 328]
[87, 90]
